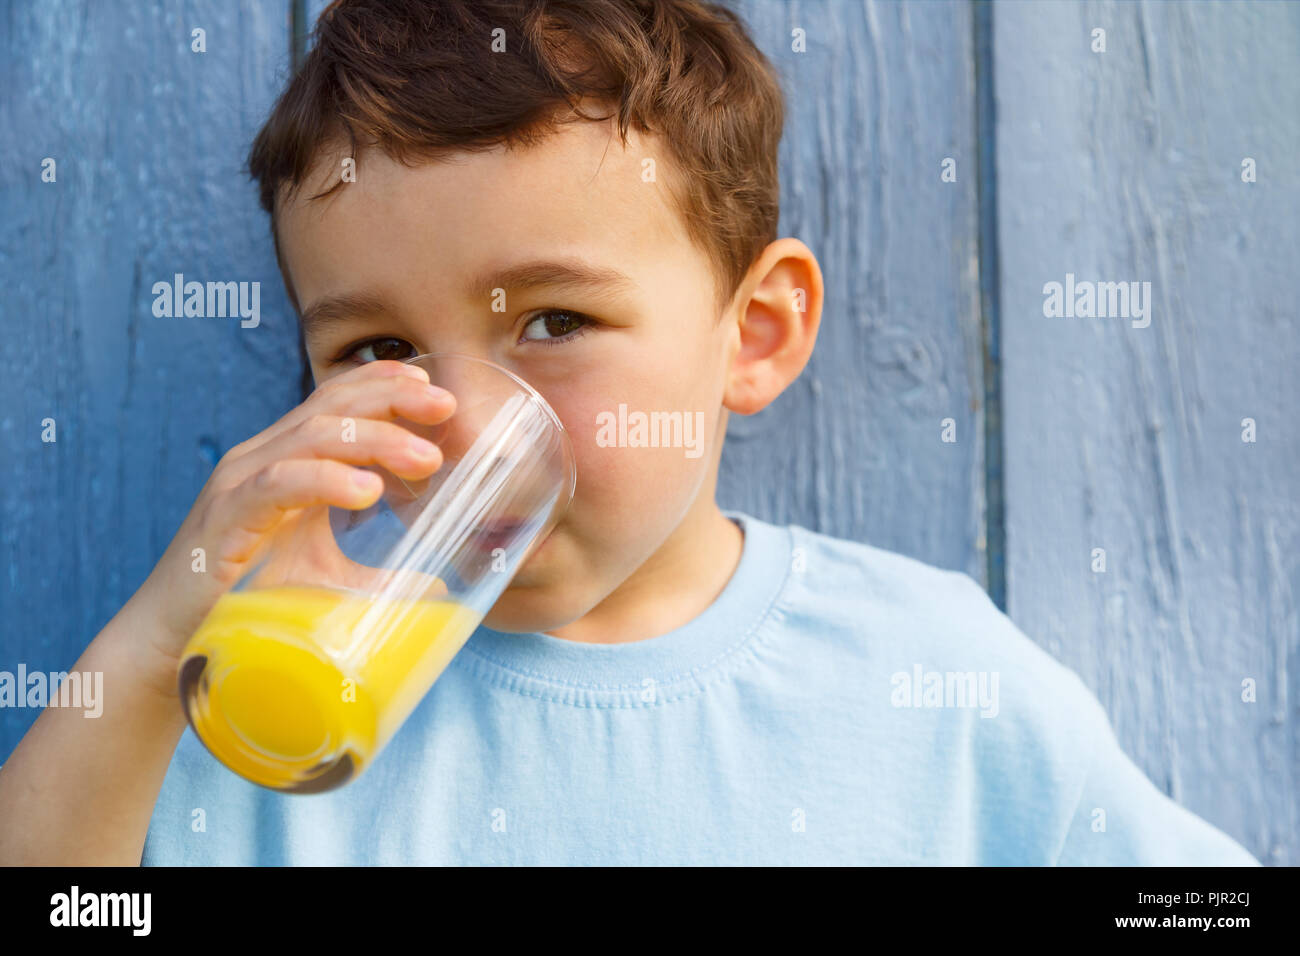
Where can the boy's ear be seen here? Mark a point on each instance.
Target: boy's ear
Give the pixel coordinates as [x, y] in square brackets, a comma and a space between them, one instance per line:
[777, 316]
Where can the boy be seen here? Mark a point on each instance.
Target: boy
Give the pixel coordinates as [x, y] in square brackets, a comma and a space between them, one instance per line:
[593, 205]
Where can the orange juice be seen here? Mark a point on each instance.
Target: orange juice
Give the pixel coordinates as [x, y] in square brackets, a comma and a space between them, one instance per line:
[298, 688]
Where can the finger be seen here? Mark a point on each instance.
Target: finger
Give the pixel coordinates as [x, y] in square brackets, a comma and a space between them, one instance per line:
[392, 397]
[357, 441]
[262, 500]
[411, 381]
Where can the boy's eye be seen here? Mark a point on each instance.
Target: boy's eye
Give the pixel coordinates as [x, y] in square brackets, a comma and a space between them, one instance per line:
[555, 325]
[552, 327]
[380, 350]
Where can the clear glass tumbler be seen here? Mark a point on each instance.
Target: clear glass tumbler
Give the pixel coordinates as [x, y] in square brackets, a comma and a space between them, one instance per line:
[305, 669]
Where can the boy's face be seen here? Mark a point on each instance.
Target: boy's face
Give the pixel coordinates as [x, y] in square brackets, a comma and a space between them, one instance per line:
[418, 250]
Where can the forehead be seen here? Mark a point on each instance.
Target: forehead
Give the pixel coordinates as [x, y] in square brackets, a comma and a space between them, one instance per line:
[579, 193]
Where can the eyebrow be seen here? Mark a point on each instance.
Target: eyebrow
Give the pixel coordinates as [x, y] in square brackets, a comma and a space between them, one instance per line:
[569, 273]
[334, 310]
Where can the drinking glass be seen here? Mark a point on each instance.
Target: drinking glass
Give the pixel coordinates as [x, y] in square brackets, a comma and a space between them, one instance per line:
[305, 669]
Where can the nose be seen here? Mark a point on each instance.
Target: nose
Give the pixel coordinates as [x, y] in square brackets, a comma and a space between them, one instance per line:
[499, 438]
[480, 388]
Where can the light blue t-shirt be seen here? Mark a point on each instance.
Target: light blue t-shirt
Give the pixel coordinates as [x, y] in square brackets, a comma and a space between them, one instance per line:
[837, 704]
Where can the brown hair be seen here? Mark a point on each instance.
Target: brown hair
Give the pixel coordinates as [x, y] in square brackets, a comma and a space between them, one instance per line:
[418, 79]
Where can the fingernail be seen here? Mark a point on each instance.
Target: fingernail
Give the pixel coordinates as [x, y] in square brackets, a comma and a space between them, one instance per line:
[437, 392]
[422, 448]
[414, 371]
[365, 479]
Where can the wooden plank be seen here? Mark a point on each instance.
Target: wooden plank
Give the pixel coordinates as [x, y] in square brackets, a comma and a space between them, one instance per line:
[1126, 165]
[149, 138]
[883, 94]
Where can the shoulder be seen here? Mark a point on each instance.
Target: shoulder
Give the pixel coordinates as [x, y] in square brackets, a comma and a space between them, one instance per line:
[1015, 727]
[901, 608]
[1025, 741]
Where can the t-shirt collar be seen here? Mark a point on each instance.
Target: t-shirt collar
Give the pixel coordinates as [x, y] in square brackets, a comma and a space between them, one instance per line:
[641, 673]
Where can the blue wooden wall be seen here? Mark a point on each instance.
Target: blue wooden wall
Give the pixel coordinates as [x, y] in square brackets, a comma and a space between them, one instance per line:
[1127, 165]
[1071, 434]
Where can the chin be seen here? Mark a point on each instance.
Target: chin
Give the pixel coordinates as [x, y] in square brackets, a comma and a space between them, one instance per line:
[541, 596]
[525, 610]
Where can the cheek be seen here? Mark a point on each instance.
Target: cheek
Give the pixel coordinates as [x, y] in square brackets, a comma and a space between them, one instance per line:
[620, 485]
[607, 474]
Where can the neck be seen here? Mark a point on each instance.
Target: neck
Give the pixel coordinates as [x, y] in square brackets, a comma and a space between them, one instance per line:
[674, 585]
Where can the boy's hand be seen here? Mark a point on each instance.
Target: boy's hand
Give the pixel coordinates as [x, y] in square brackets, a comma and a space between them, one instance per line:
[298, 462]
